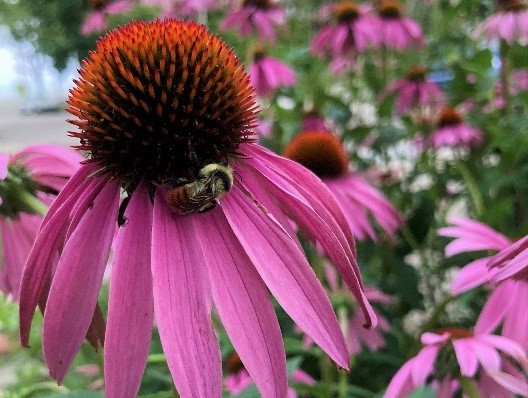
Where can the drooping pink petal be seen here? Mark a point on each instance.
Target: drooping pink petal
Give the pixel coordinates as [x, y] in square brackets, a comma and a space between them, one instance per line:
[510, 382]
[433, 338]
[486, 355]
[130, 305]
[94, 22]
[17, 237]
[466, 357]
[41, 258]
[472, 275]
[325, 230]
[423, 364]
[510, 347]
[75, 286]
[492, 314]
[401, 384]
[515, 266]
[243, 304]
[516, 320]
[285, 272]
[322, 201]
[182, 304]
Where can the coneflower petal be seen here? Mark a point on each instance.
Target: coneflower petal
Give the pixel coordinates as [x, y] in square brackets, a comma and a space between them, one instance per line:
[244, 306]
[130, 306]
[75, 287]
[182, 304]
[312, 223]
[40, 261]
[322, 201]
[286, 272]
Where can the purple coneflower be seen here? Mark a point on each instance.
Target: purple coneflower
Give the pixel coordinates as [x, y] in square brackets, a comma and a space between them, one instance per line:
[415, 91]
[512, 261]
[313, 121]
[394, 30]
[507, 304]
[510, 23]
[267, 73]
[351, 31]
[452, 131]
[263, 16]
[455, 350]
[238, 379]
[165, 113]
[324, 154]
[96, 20]
[29, 181]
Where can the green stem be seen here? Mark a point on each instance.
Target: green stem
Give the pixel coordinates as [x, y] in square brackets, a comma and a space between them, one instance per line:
[32, 202]
[342, 316]
[469, 388]
[472, 187]
[327, 372]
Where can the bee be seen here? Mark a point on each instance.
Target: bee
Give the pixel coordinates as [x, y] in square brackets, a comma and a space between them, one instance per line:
[201, 195]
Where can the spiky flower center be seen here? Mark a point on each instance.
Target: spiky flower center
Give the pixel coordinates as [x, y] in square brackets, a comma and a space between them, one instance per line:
[260, 4]
[320, 151]
[449, 117]
[156, 101]
[346, 11]
[417, 73]
[390, 9]
[514, 6]
[456, 332]
[233, 363]
[259, 52]
[19, 193]
[97, 4]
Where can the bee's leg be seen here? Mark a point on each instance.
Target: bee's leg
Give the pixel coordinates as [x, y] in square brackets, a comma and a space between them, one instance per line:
[209, 206]
[121, 219]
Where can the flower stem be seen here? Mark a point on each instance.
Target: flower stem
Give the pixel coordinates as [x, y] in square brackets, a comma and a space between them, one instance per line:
[472, 187]
[43, 387]
[469, 387]
[33, 204]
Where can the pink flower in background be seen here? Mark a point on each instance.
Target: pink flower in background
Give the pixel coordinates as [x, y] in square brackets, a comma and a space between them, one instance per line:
[415, 91]
[453, 132]
[509, 23]
[184, 8]
[394, 30]
[507, 304]
[324, 154]
[29, 181]
[353, 30]
[205, 223]
[96, 20]
[262, 16]
[264, 128]
[484, 358]
[518, 84]
[313, 121]
[267, 74]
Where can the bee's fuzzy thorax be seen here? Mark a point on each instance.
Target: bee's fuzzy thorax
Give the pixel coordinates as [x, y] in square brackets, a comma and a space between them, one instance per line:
[156, 101]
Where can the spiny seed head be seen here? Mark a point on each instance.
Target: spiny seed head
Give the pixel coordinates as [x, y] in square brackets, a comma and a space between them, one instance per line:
[449, 117]
[456, 332]
[320, 151]
[156, 101]
[417, 73]
[260, 4]
[390, 9]
[513, 6]
[346, 11]
[233, 363]
[259, 52]
[97, 4]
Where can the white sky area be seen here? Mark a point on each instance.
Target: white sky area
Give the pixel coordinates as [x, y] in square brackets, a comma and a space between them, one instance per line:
[30, 78]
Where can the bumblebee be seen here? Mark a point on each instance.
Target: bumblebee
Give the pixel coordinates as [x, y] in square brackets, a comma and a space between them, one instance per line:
[213, 181]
